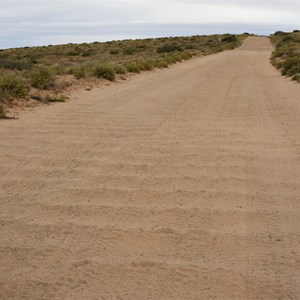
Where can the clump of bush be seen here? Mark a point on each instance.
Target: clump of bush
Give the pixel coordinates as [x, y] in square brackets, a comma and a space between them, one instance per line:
[2, 112]
[146, 65]
[296, 77]
[162, 64]
[133, 67]
[168, 48]
[119, 69]
[230, 39]
[105, 71]
[129, 51]
[78, 72]
[15, 63]
[14, 86]
[286, 56]
[51, 99]
[41, 78]
[291, 66]
[114, 51]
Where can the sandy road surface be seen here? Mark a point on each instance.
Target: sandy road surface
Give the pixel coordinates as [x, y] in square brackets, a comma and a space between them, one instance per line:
[179, 184]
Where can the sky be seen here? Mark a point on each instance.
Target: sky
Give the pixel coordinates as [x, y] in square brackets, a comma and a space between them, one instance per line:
[49, 22]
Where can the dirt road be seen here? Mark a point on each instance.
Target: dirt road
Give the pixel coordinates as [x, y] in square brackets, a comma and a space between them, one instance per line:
[179, 184]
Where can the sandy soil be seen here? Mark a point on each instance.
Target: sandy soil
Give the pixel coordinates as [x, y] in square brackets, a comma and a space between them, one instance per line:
[178, 184]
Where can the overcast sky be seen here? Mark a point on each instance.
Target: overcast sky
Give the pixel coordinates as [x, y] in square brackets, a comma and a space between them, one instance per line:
[44, 22]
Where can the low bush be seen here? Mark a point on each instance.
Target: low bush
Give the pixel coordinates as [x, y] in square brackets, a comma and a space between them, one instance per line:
[133, 67]
[291, 66]
[129, 51]
[186, 55]
[230, 39]
[13, 85]
[173, 58]
[146, 65]
[41, 78]
[114, 51]
[296, 77]
[162, 64]
[11, 62]
[78, 72]
[286, 56]
[119, 69]
[105, 71]
[169, 48]
[51, 99]
[2, 112]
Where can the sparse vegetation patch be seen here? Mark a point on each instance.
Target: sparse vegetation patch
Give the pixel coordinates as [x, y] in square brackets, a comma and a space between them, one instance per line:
[286, 56]
[38, 71]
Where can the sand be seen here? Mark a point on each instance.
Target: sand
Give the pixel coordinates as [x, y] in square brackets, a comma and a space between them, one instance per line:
[177, 184]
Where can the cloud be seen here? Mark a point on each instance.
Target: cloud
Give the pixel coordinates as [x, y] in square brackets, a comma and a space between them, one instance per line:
[39, 22]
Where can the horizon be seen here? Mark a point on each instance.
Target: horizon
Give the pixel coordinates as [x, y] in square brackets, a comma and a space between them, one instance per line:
[144, 37]
[29, 23]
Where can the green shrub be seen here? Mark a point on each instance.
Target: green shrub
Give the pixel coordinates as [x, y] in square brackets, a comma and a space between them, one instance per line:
[293, 70]
[41, 78]
[2, 112]
[291, 66]
[13, 85]
[285, 40]
[162, 64]
[114, 51]
[105, 71]
[121, 70]
[50, 99]
[296, 77]
[14, 63]
[190, 46]
[229, 39]
[186, 55]
[168, 48]
[173, 58]
[133, 67]
[78, 72]
[146, 65]
[129, 51]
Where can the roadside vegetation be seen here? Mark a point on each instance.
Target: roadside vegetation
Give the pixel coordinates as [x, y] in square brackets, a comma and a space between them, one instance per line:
[45, 73]
[286, 56]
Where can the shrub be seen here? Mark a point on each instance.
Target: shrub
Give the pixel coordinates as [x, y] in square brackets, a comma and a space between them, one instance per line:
[291, 66]
[173, 58]
[114, 51]
[296, 77]
[162, 64]
[2, 113]
[229, 39]
[11, 62]
[168, 48]
[129, 51]
[78, 72]
[105, 71]
[133, 67]
[13, 85]
[61, 98]
[285, 40]
[121, 70]
[186, 55]
[41, 78]
[146, 65]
